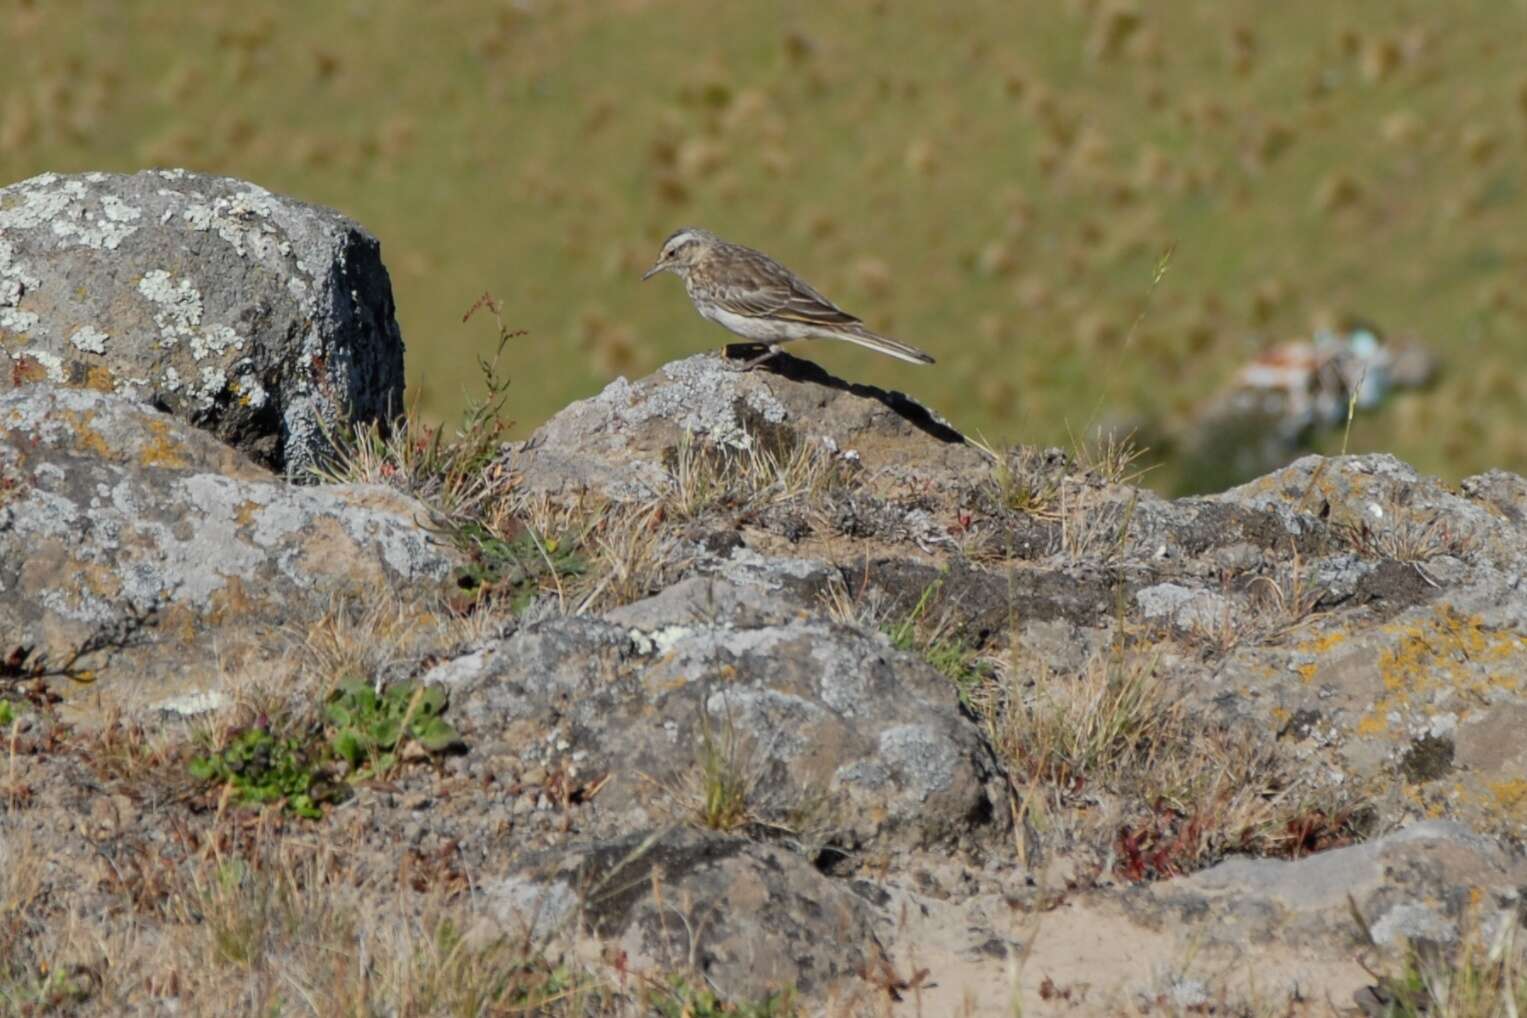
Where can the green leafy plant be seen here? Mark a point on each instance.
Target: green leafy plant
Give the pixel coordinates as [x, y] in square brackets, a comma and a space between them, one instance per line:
[512, 568]
[263, 768]
[681, 1000]
[373, 730]
[8, 712]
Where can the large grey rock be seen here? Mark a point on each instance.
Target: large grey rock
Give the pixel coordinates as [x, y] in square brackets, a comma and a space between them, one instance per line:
[124, 529]
[255, 316]
[617, 443]
[847, 749]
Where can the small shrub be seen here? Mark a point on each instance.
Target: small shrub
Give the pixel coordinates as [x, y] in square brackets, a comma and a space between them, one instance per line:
[372, 730]
[263, 768]
[947, 650]
[681, 1000]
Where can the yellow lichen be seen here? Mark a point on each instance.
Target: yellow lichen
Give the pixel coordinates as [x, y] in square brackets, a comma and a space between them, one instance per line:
[85, 436]
[161, 450]
[99, 378]
[1372, 724]
[1443, 653]
[1322, 644]
[1510, 795]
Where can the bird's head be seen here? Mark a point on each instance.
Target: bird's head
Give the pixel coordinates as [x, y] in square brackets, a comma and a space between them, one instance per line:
[681, 251]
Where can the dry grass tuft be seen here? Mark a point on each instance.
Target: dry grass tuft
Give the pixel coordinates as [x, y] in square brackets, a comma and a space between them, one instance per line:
[1111, 757]
[1484, 975]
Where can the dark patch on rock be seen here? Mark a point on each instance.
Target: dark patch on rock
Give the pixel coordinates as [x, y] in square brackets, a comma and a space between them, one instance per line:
[1393, 586]
[774, 438]
[1025, 537]
[786, 522]
[1427, 759]
[987, 603]
[903, 406]
[993, 948]
[1300, 725]
[1223, 524]
[870, 892]
[719, 542]
[621, 873]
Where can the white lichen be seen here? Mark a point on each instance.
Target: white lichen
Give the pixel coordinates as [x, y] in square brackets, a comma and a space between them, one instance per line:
[12, 320]
[179, 305]
[89, 339]
[215, 339]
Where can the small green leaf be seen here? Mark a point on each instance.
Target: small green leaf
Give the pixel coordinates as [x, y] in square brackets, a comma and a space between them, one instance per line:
[435, 735]
[348, 748]
[384, 734]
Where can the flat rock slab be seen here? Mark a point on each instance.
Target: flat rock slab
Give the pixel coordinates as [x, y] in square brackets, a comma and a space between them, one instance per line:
[260, 318]
[1269, 930]
[128, 531]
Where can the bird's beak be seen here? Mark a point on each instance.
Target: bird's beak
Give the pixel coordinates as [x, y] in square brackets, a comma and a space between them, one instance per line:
[659, 267]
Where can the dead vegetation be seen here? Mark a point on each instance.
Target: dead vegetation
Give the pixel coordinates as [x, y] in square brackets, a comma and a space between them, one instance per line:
[1112, 760]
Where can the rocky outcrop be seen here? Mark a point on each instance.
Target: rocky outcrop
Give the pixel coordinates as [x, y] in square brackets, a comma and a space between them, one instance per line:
[260, 318]
[763, 678]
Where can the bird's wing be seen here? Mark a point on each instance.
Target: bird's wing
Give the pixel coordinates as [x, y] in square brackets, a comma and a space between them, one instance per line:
[772, 291]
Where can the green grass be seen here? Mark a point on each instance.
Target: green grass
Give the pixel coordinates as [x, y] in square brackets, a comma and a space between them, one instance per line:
[988, 181]
[939, 643]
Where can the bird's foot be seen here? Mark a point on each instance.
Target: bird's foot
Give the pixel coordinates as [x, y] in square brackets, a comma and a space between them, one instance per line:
[769, 353]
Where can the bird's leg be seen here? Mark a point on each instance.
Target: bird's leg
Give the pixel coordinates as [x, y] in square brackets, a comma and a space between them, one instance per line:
[768, 354]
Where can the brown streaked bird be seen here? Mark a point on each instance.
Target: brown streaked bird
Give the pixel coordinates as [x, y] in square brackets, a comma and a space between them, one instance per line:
[754, 296]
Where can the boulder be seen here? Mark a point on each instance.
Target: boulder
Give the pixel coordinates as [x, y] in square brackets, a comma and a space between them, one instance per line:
[133, 542]
[752, 920]
[618, 442]
[262, 319]
[834, 742]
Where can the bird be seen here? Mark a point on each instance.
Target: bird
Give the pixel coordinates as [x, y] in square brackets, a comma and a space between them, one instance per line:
[752, 295]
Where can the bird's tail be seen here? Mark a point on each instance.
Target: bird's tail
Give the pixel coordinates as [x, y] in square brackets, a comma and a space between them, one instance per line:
[857, 333]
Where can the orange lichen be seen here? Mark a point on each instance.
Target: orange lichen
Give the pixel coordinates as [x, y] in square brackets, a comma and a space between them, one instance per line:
[1510, 795]
[1444, 652]
[85, 436]
[161, 450]
[1323, 644]
[1372, 724]
[100, 378]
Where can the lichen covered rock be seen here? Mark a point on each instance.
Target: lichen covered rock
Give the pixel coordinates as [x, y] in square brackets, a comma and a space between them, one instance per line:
[255, 316]
[125, 530]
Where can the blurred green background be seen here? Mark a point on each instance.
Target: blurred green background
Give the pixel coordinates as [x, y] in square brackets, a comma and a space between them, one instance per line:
[996, 182]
